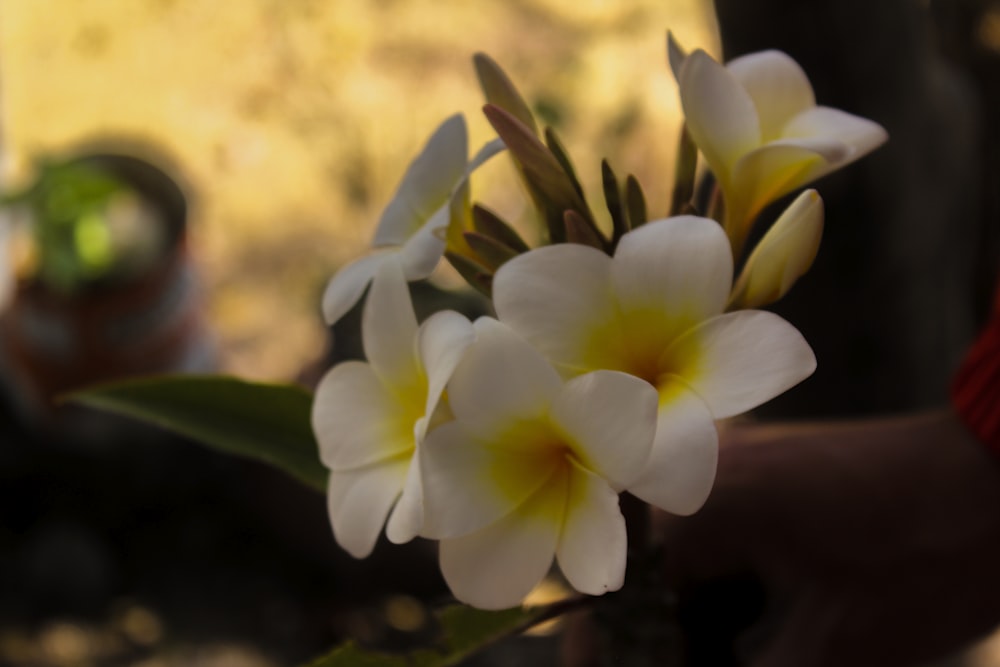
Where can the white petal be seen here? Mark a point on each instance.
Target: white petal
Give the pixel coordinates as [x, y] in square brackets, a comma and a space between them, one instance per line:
[744, 359]
[427, 183]
[500, 380]
[441, 341]
[610, 418]
[593, 545]
[783, 255]
[719, 113]
[348, 284]
[469, 483]
[860, 134]
[359, 500]
[389, 330]
[679, 268]
[681, 468]
[422, 251]
[557, 297]
[408, 514]
[778, 86]
[496, 567]
[356, 421]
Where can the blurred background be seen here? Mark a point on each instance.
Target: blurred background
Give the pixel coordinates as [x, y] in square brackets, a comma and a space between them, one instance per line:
[276, 132]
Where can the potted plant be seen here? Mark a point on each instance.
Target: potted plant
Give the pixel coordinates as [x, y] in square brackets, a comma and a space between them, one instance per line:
[102, 282]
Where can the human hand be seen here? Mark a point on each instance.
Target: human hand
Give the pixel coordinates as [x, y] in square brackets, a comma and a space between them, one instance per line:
[877, 542]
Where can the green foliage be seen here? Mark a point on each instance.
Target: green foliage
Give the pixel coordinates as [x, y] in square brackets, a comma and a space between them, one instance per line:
[266, 422]
[463, 631]
[69, 210]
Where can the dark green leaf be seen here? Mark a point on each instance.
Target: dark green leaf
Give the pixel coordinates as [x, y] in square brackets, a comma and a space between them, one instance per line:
[478, 276]
[267, 422]
[490, 224]
[613, 199]
[578, 231]
[560, 154]
[684, 176]
[492, 254]
[635, 202]
[550, 186]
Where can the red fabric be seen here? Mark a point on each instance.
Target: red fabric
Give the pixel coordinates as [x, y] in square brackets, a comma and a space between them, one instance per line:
[975, 392]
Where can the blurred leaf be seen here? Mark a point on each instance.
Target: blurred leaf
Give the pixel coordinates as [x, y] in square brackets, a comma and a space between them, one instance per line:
[578, 231]
[560, 154]
[684, 175]
[478, 276]
[267, 422]
[550, 186]
[613, 199]
[490, 224]
[500, 92]
[635, 202]
[464, 631]
[491, 253]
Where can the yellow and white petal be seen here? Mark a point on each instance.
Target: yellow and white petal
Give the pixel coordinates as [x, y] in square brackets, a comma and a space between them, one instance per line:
[860, 134]
[560, 299]
[593, 544]
[678, 269]
[407, 515]
[469, 483]
[496, 567]
[389, 330]
[777, 85]
[501, 380]
[744, 359]
[358, 422]
[718, 112]
[609, 419]
[427, 183]
[784, 254]
[359, 500]
[681, 468]
[441, 342]
[348, 284]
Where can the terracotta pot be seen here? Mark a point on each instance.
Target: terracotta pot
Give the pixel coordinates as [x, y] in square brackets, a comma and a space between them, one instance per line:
[153, 322]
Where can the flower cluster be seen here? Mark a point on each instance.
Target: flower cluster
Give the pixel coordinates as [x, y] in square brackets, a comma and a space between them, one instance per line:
[612, 353]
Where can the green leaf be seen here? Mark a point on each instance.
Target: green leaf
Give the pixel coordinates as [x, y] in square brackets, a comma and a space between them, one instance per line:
[464, 631]
[266, 422]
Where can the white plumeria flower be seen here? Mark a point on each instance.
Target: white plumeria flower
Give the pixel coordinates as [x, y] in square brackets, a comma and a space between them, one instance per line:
[784, 254]
[369, 418]
[757, 124]
[411, 229]
[655, 310]
[529, 471]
